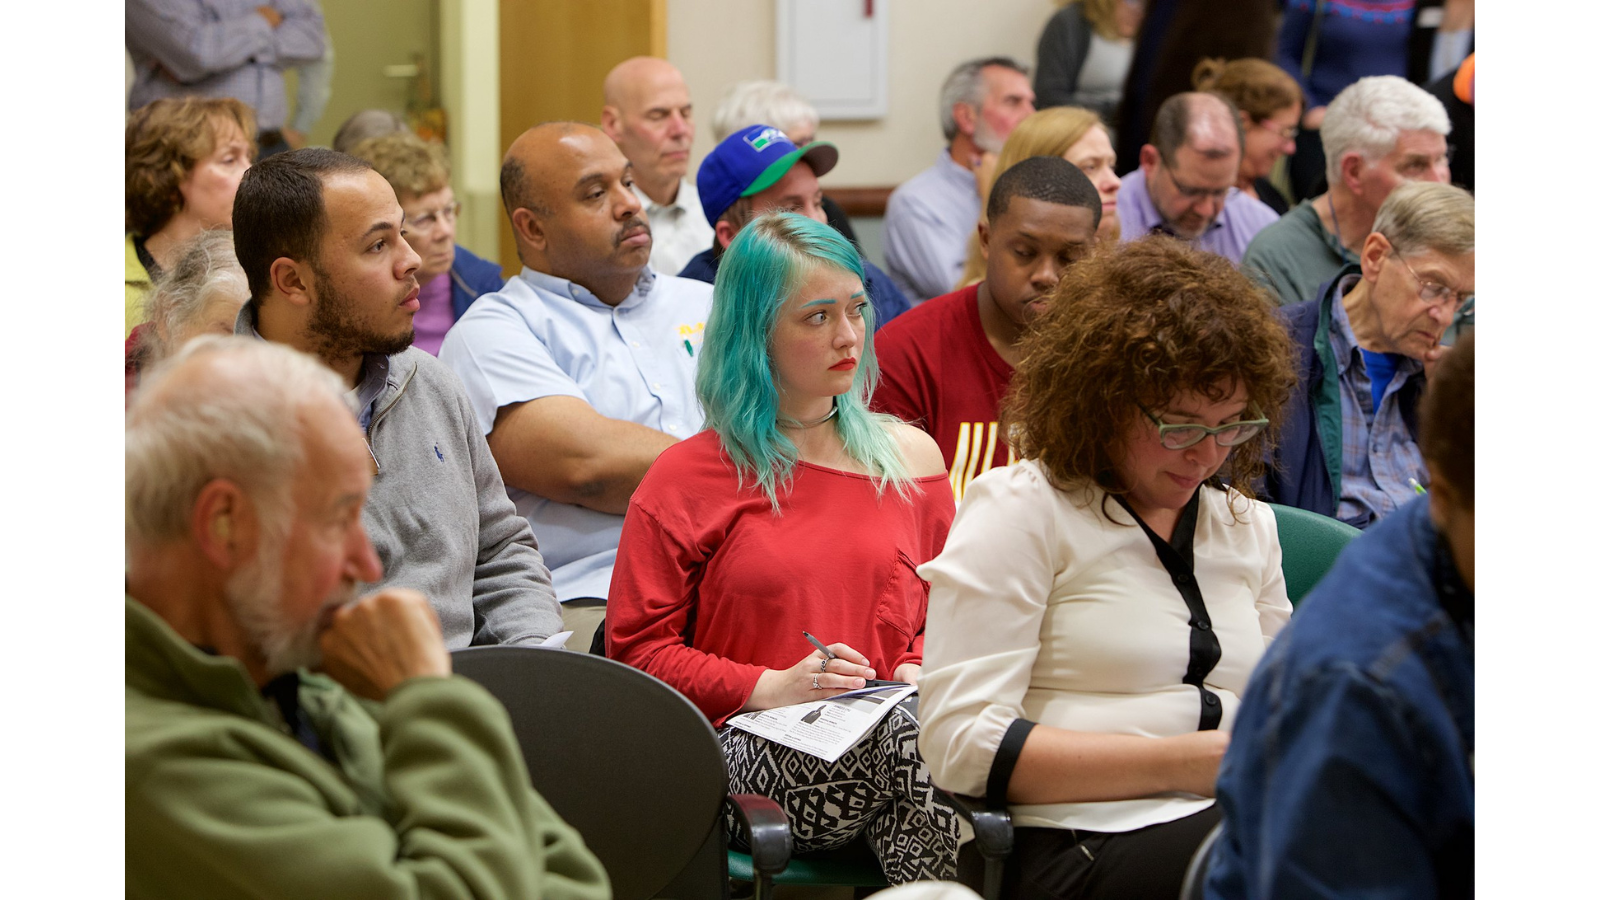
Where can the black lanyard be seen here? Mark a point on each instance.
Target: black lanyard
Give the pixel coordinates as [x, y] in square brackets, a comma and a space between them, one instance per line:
[1205, 651]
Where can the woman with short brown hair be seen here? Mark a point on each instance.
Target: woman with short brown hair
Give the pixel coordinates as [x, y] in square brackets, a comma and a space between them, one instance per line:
[1099, 606]
[183, 161]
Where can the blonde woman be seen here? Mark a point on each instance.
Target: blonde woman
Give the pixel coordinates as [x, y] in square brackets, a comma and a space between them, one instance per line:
[1072, 133]
[1084, 54]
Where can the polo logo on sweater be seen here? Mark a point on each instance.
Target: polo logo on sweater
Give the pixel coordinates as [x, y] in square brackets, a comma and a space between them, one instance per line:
[437, 453]
[763, 138]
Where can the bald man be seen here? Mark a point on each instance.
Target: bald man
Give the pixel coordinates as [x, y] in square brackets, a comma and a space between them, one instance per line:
[581, 369]
[648, 113]
[1184, 185]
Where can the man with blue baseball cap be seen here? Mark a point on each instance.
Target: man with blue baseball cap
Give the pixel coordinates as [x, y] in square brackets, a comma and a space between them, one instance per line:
[759, 169]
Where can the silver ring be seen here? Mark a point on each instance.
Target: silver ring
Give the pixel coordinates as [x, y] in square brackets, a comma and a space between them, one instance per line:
[824, 669]
[815, 686]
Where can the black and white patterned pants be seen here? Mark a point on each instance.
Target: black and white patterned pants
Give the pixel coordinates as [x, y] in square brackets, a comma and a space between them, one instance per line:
[880, 786]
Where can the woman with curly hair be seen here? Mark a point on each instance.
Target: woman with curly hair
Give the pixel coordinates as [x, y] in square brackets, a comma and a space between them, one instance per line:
[1099, 605]
[182, 163]
[795, 510]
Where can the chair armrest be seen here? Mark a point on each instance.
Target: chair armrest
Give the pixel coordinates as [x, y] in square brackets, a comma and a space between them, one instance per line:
[771, 843]
[991, 828]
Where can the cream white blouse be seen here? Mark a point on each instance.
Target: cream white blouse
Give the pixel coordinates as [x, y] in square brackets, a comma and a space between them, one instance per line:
[1044, 609]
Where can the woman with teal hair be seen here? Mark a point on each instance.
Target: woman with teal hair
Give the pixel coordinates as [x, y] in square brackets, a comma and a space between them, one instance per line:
[797, 510]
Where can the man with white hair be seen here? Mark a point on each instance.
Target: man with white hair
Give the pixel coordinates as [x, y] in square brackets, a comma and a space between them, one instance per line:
[320, 237]
[1380, 132]
[245, 772]
[648, 114]
[929, 218]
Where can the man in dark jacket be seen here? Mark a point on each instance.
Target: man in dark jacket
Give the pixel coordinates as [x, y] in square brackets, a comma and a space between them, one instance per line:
[1351, 769]
[1348, 446]
[759, 169]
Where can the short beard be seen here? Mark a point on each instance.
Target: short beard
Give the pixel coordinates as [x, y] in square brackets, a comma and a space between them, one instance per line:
[338, 332]
[984, 138]
[254, 596]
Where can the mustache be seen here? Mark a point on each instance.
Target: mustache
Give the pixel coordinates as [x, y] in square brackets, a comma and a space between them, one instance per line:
[630, 227]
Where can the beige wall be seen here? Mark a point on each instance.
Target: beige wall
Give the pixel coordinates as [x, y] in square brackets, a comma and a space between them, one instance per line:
[469, 39]
[717, 43]
[368, 35]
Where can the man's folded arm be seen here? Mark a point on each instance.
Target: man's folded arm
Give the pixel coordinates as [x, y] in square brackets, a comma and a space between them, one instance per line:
[561, 448]
[190, 48]
[513, 601]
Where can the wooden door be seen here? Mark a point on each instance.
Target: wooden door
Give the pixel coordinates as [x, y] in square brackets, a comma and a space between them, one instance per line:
[554, 56]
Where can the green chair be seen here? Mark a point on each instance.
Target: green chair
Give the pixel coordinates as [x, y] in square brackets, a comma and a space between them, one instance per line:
[853, 865]
[1311, 542]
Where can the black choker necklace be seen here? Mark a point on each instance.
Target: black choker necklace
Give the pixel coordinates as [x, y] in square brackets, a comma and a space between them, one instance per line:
[796, 423]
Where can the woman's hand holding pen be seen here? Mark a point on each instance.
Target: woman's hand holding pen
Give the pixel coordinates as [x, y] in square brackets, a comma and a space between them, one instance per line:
[815, 677]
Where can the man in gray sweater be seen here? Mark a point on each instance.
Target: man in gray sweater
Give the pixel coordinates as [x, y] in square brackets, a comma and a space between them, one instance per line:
[320, 236]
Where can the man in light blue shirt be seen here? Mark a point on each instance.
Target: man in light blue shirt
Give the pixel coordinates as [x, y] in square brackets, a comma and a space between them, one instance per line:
[929, 218]
[1184, 186]
[581, 370]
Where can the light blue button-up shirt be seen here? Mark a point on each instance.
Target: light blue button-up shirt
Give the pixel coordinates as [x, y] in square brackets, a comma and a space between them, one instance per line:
[925, 229]
[542, 336]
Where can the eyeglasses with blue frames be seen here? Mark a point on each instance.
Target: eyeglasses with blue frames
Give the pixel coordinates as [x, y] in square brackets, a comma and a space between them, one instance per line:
[1230, 434]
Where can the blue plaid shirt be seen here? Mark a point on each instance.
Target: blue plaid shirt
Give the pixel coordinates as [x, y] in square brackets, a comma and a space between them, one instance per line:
[1380, 455]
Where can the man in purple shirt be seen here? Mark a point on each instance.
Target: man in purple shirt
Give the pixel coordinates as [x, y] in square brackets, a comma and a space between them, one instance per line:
[1184, 186]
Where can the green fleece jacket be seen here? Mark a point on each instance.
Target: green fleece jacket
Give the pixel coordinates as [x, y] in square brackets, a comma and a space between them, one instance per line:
[429, 797]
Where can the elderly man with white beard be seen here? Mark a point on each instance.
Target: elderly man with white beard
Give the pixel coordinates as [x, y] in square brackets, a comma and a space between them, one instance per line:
[247, 774]
[928, 218]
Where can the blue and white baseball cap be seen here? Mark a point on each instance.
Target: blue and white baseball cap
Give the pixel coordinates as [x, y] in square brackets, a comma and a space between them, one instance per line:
[751, 160]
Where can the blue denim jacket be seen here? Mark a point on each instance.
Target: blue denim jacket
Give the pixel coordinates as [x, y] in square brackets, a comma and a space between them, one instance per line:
[1350, 772]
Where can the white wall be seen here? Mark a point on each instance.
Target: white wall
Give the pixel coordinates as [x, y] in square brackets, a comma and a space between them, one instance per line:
[716, 43]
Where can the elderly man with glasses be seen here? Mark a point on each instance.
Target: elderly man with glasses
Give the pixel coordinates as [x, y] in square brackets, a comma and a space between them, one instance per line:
[1184, 186]
[1349, 442]
[451, 276]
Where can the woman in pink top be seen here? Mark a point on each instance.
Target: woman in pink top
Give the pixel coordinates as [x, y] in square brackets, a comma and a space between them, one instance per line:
[795, 510]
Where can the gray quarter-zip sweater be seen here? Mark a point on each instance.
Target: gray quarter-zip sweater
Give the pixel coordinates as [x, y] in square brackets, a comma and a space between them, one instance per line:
[438, 513]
